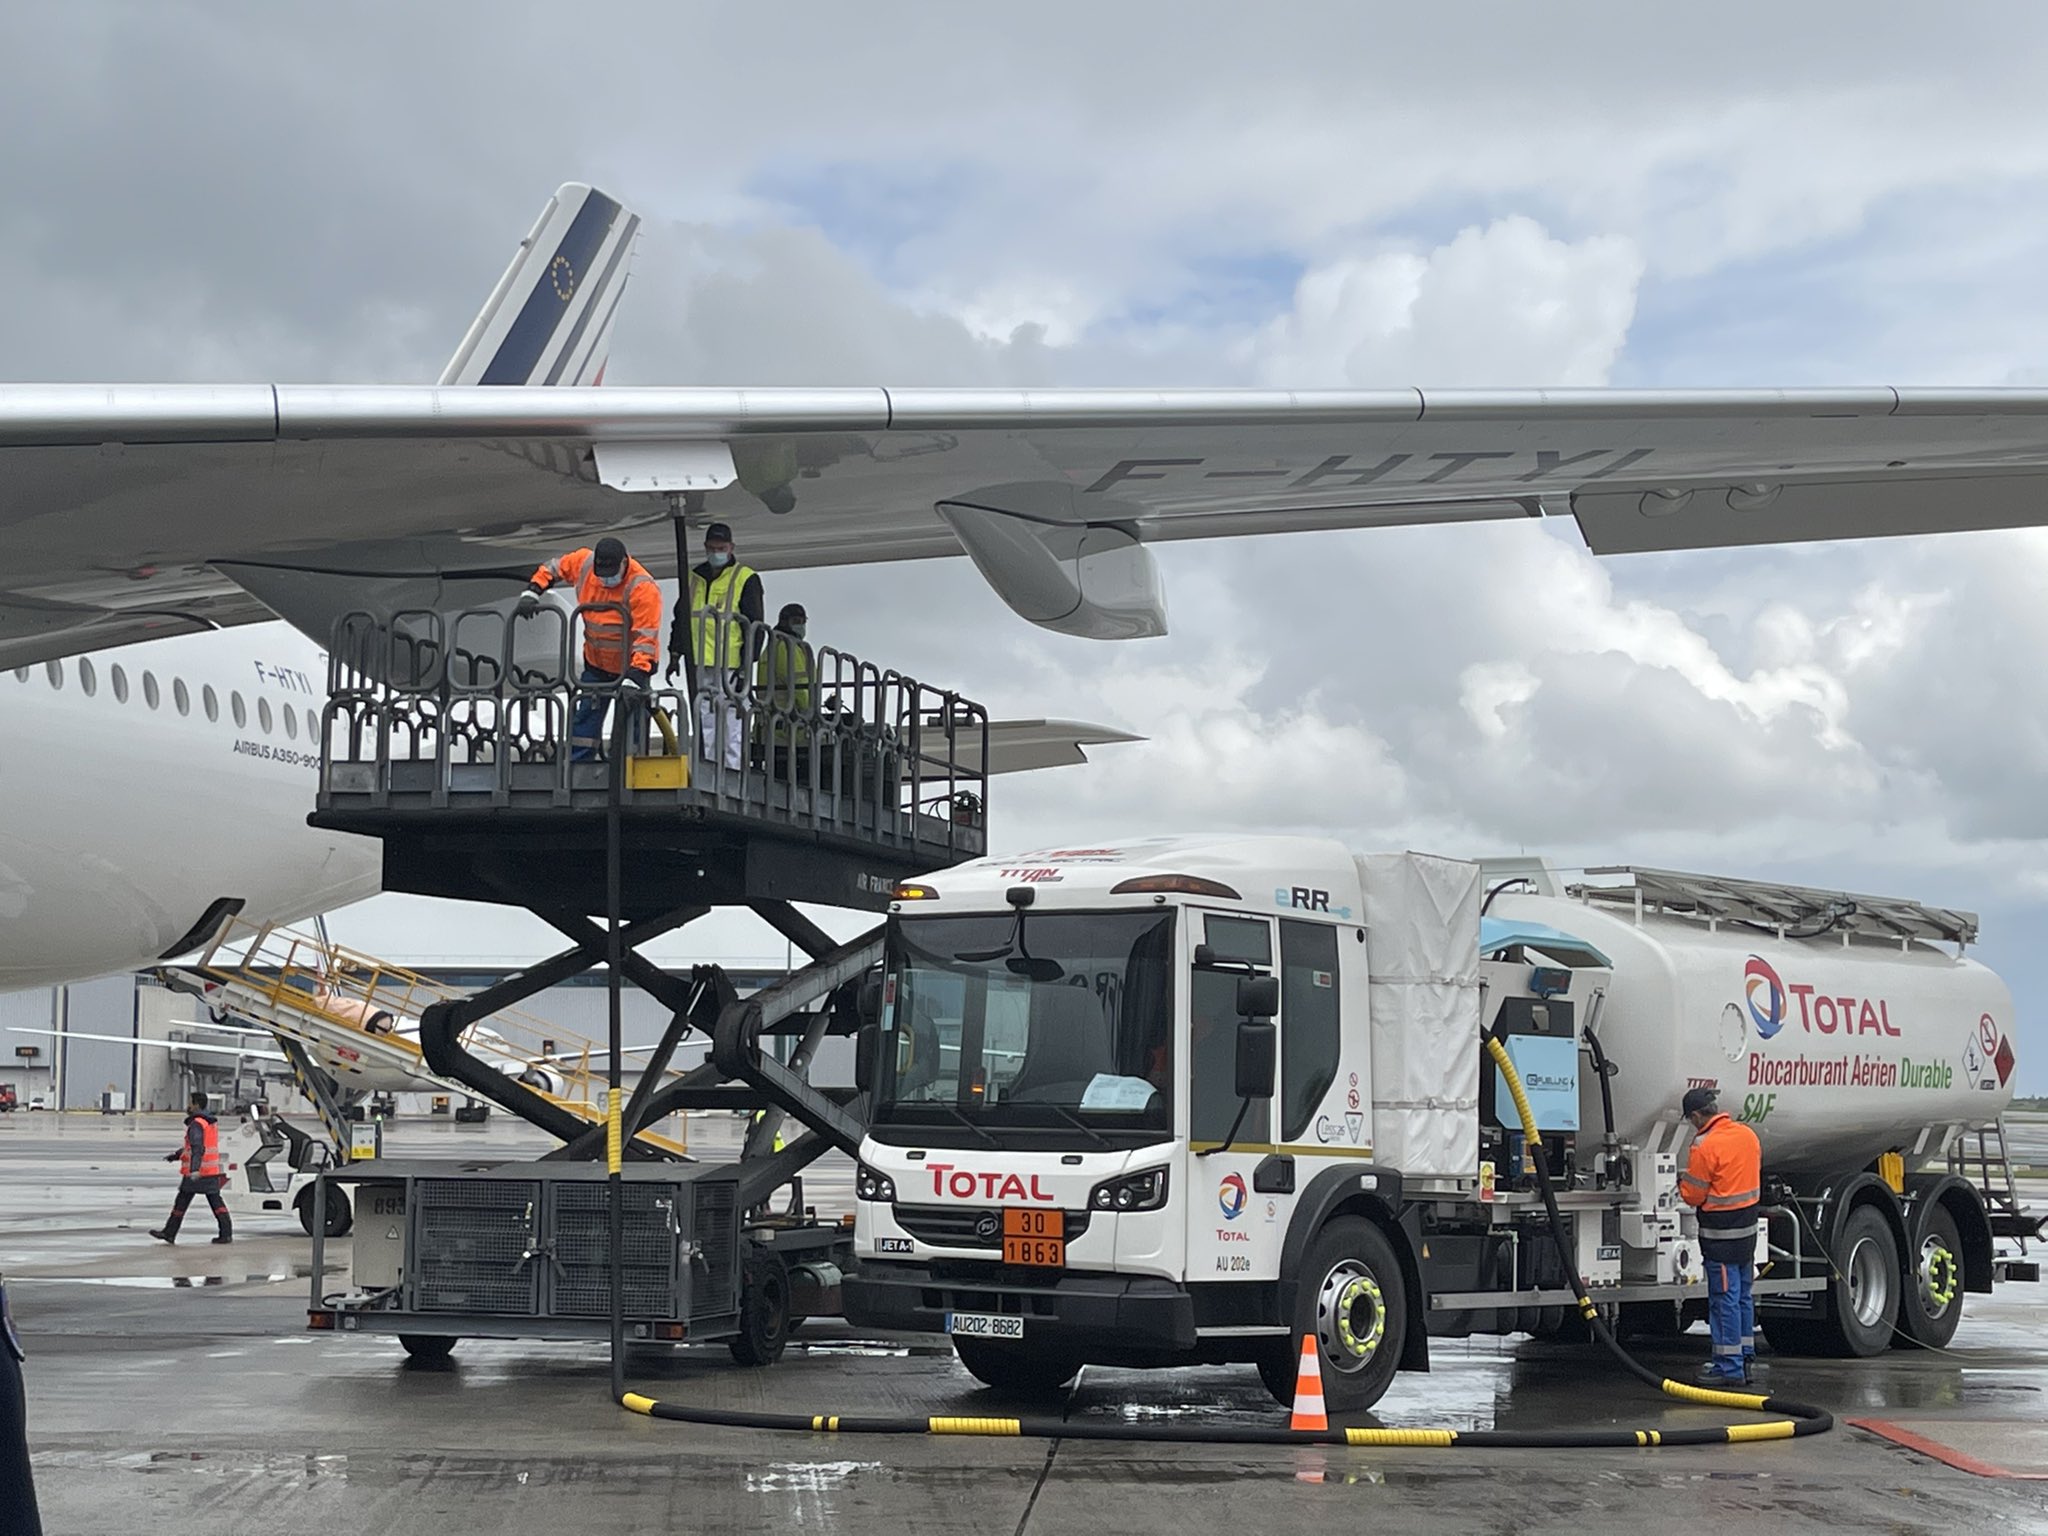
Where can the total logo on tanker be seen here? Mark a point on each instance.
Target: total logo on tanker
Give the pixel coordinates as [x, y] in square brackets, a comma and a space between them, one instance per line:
[1826, 1015]
[1769, 999]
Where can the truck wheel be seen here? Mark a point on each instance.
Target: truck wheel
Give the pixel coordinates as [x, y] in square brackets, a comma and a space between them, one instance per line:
[427, 1346]
[1863, 1303]
[764, 1312]
[339, 1217]
[1011, 1368]
[1351, 1300]
[1931, 1303]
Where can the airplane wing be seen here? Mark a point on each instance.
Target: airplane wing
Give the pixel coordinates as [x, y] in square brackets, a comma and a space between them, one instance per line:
[1022, 746]
[169, 1045]
[133, 510]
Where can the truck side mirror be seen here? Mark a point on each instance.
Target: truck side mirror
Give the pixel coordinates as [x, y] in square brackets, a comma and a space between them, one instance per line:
[868, 1000]
[1258, 997]
[1258, 1051]
[867, 1045]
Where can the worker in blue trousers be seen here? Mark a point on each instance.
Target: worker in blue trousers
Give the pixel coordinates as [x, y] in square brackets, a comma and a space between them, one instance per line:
[1723, 1181]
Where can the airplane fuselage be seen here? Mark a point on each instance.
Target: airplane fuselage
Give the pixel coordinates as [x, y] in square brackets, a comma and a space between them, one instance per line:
[140, 785]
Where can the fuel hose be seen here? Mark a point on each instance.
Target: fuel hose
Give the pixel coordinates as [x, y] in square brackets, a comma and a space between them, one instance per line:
[1793, 1418]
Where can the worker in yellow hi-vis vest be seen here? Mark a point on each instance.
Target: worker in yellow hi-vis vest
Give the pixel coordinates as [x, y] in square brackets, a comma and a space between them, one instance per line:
[717, 633]
[782, 693]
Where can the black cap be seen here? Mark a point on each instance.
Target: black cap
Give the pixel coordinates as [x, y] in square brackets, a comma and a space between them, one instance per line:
[1697, 1100]
[719, 531]
[792, 613]
[608, 557]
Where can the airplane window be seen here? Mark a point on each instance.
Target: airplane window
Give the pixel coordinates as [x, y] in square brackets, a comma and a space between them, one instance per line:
[291, 722]
[263, 714]
[120, 680]
[180, 696]
[55, 671]
[86, 680]
[149, 694]
[209, 702]
[241, 710]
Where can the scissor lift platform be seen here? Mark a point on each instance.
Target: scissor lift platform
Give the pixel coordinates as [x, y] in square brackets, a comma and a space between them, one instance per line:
[451, 740]
[455, 741]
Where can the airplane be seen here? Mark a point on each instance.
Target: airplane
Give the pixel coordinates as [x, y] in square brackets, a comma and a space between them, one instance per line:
[155, 789]
[136, 510]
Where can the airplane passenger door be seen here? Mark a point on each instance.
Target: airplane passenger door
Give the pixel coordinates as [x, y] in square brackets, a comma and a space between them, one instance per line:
[1234, 1230]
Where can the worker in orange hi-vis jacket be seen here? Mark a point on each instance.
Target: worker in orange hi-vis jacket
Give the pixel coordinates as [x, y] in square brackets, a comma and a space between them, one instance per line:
[199, 1169]
[612, 653]
[1723, 1181]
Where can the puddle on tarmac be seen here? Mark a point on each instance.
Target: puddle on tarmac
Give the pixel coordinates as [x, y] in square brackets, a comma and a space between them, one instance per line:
[859, 1351]
[808, 1476]
[185, 1282]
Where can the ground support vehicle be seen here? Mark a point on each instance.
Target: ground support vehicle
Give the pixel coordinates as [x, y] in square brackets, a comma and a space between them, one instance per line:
[272, 1166]
[449, 739]
[1163, 1101]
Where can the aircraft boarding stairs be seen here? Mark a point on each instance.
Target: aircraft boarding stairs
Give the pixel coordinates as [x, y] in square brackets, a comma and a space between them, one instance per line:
[348, 1018]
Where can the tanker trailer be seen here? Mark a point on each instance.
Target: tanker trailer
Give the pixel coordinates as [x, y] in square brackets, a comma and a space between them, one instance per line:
[1857, 1039]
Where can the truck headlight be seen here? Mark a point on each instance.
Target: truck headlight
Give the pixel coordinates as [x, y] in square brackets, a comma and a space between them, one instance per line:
[870, 1185]
[1133, 1192]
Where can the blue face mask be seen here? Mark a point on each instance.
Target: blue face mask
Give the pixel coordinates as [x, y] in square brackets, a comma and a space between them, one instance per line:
[718, 559]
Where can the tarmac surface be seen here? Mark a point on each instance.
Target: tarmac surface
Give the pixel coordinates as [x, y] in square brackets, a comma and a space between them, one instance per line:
[175, 1390]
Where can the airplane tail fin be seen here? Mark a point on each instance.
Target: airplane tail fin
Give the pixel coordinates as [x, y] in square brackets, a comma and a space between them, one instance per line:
[549, 320]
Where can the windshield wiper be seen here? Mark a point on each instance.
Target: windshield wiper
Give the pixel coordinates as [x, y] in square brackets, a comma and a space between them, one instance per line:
[961, 1115]
[1080, 1125]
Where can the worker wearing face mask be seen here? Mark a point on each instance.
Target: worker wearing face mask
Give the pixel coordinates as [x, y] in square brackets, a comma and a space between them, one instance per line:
[725, 609]
[612, 653]
[782, 690]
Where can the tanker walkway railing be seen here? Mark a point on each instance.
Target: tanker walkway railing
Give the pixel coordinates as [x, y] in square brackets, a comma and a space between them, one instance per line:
[479, 710]
[345, 1007]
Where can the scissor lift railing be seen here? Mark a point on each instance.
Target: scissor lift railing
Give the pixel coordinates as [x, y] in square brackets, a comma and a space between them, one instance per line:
[476, 711]
[316, 993]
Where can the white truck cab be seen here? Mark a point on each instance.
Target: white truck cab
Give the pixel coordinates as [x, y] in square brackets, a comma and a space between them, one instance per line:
[1122, 1071]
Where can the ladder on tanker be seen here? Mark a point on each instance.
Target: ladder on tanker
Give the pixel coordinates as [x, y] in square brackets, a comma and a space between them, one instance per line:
[1988, 1165]
[337, 1014]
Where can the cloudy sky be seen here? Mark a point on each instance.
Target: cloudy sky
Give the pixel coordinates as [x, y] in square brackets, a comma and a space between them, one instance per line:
[1119, 194]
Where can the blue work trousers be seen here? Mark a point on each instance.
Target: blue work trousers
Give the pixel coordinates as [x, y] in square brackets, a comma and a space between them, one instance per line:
[586, 730]
[1731, 1309]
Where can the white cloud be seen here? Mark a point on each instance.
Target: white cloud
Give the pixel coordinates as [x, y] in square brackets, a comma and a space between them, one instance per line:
[1501, 306]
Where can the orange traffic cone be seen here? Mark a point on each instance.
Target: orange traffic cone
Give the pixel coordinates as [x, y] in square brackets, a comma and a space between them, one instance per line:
[1308, 1390]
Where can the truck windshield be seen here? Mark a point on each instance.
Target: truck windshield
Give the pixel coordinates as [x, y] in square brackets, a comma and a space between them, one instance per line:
[1058, 1020]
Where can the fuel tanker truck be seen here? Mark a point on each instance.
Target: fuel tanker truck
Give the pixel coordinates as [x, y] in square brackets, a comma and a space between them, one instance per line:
[1189, 1100]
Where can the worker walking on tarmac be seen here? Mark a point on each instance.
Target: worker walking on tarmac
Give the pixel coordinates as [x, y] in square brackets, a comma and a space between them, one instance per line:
[1723, 1181]
[709, 636]
[199, 1168]
[605, 575]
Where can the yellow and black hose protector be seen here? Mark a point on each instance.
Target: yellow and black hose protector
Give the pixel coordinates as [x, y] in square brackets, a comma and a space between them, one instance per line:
[1798, 1418]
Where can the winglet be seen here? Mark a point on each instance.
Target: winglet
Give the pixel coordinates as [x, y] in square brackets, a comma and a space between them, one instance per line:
[549, 320]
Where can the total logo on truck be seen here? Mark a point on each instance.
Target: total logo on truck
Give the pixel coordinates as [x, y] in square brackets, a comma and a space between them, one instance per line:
[1847, 1015]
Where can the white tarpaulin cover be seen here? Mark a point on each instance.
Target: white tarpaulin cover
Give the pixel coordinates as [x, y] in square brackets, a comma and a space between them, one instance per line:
[1422, 955]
